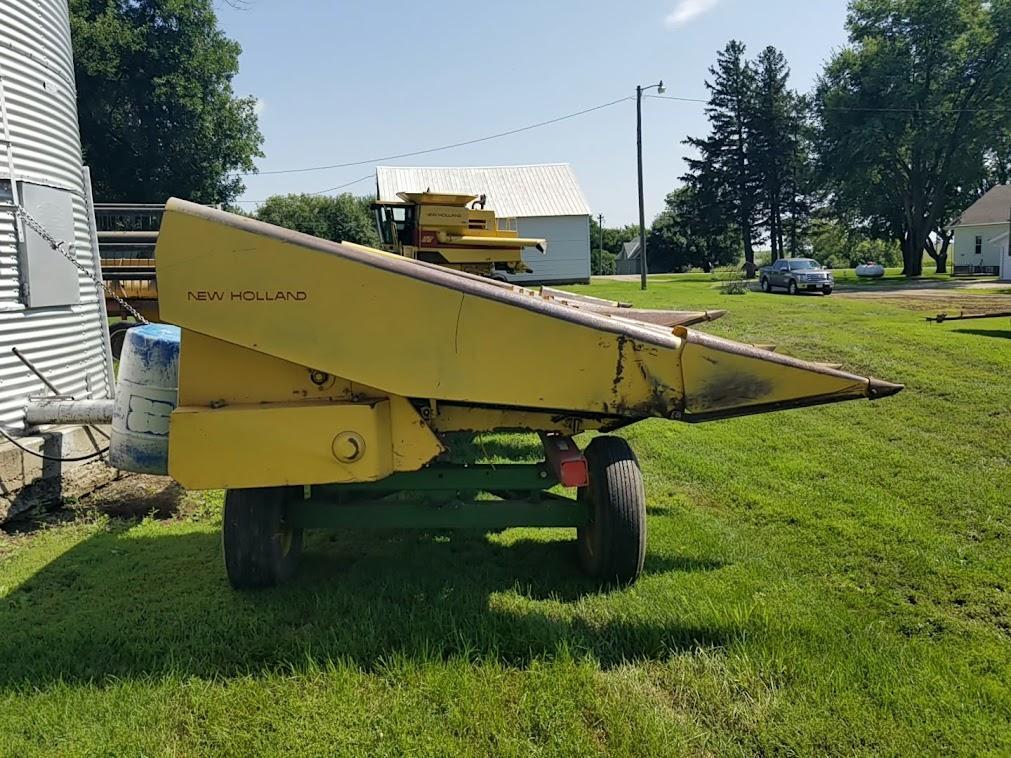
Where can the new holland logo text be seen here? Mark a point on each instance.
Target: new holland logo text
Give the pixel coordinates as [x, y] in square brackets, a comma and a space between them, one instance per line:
[262, 296]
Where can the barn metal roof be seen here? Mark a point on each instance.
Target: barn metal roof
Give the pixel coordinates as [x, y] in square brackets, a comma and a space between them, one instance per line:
[992, 208]
[513, 191]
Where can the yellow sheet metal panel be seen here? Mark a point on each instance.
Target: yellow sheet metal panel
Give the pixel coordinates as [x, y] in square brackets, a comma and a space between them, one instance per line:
[218, 372]
[721, 375]
[416, 330]
[414, 443]
[401, 326]
[292, 444]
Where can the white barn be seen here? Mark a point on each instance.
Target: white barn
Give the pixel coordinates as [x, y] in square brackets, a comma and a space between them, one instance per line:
[544, 201]
[980, 235]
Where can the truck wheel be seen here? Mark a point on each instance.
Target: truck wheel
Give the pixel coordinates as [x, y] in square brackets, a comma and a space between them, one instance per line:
[764, 283]
[792, 287]
[259, 550]
[612, 547]
[826, 290]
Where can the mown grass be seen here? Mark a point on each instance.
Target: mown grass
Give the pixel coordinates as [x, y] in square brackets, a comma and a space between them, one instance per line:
[828, 580]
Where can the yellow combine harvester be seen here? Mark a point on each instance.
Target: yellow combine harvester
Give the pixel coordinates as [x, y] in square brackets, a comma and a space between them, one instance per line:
[133, 280]
[315, 378]
[455, 231]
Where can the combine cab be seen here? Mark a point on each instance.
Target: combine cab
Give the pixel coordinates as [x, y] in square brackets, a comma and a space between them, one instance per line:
[455, 231]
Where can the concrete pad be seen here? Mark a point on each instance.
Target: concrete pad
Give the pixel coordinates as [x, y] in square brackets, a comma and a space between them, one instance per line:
[28, 482]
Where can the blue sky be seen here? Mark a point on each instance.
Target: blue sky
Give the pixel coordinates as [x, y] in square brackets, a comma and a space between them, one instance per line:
[355, 80]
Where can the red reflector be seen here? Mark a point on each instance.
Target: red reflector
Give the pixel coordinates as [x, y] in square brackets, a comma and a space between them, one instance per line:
[568, 463]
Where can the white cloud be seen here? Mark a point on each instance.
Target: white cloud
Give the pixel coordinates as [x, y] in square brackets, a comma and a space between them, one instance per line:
[688, 10]
[259, 106]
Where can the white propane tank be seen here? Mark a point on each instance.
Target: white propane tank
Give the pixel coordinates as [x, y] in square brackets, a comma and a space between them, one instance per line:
[146, 394]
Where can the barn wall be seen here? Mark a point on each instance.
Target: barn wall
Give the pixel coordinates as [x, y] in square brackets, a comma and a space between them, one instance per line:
[568, 256]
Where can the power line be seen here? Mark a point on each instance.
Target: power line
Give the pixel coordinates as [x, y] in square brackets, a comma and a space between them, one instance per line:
[342, 186]
[319, 192]
[567, 116]
[939, 109]
[442, 147]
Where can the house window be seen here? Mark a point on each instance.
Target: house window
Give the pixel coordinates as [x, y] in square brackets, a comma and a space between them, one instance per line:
[979, 245]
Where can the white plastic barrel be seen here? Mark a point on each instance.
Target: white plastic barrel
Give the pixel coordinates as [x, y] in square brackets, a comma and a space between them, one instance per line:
[146, 394]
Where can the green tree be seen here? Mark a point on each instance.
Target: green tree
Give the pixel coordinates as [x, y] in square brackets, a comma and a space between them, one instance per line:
[690, 233]
[602, 262]
[906, 110]
[157, 112]
[776, 153]
[614, 237]
[842, 245]
[339, 218]
[724, 154]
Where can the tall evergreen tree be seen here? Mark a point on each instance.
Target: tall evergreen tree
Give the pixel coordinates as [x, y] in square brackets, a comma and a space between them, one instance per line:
[775, 121]
[688, 233]
[724, 153]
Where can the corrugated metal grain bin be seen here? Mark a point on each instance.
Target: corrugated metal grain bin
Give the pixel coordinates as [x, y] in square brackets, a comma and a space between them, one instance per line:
[52, 312]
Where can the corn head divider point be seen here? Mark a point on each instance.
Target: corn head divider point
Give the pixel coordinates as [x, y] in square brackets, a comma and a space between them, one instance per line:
[311, 373]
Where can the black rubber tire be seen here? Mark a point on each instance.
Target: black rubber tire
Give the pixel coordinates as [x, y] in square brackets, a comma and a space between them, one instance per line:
[612, 547]
[117, 337]
[764, 284]
[791, 287]
[259, 550]
[826, 290]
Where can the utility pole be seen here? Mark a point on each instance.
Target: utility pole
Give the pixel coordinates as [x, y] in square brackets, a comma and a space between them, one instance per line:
[600, 225]
[639, 89]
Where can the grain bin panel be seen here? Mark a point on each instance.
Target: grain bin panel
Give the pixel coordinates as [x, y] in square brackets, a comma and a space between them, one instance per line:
[67, 342]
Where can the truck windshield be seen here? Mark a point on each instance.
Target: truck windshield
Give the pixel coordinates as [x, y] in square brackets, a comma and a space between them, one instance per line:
[802, 263]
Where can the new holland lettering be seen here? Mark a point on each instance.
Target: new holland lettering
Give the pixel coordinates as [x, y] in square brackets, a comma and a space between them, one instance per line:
[262, 296]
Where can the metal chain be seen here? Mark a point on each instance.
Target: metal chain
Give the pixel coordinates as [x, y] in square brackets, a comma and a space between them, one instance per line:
[61, 248]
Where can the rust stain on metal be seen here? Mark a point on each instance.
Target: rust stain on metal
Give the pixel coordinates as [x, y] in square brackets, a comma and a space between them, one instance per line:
[731, 389]
[619, 370]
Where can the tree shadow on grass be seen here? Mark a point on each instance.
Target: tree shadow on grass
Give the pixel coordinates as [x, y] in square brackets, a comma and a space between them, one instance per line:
[124, 605]
[999, 333]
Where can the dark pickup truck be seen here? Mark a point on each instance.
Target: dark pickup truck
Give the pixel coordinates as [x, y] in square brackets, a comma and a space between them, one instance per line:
[796, 275]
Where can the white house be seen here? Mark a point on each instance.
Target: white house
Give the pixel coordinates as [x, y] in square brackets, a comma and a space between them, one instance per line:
[1005, 256]
[540, 201]
[981, 235]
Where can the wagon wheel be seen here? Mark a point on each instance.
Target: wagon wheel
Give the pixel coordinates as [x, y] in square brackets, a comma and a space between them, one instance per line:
[612, 547]
[260, 550]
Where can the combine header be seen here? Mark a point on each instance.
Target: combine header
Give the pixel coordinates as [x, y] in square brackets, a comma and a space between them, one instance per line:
[317, 378]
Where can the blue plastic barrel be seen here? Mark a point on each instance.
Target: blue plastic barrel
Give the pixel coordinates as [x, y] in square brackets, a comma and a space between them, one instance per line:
[147, 390]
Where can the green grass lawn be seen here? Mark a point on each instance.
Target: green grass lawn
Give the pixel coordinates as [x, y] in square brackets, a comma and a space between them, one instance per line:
[827, 580]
